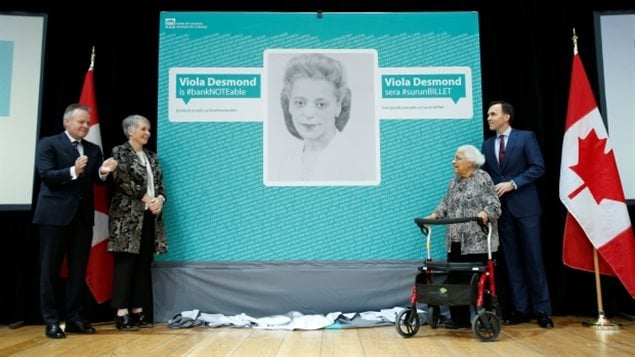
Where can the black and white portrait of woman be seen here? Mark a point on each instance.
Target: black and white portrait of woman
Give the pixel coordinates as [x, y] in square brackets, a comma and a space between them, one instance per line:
[321, 127]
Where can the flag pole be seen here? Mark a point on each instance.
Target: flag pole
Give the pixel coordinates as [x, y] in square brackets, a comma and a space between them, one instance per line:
[601, 323]
[92, 59]
[99, 270]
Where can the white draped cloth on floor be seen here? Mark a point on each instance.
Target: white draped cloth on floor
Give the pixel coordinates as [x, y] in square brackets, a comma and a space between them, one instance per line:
[290, 321]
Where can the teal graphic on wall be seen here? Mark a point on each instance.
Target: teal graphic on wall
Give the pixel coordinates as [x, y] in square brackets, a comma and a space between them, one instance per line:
[6, 68]
[420, 101]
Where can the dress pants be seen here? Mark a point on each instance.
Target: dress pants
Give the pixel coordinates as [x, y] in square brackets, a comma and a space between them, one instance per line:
[521, 247]
[132, 284]
[73, 241]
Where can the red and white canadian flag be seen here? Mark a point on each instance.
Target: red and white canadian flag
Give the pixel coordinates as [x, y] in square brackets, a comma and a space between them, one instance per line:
[591, 190]
[99, 273]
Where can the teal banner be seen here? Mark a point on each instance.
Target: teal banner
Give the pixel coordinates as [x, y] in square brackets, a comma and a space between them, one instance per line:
[246, 100]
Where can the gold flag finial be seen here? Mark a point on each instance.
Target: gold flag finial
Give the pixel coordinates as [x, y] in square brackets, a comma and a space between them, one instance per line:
[92, 59]
[575, 42]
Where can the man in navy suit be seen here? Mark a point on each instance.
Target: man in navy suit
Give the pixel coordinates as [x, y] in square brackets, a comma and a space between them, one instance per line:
[68, 166]
[515, 165]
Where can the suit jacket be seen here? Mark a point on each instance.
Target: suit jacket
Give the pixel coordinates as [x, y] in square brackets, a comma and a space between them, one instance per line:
[126, 208]
[524, 164]
[60, 196]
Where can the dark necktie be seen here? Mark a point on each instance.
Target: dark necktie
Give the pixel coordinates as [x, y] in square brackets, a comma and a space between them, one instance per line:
[76, 146]
[501, 150]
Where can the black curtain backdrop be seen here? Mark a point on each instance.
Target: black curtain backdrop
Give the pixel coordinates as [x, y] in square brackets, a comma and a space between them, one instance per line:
[526, 57]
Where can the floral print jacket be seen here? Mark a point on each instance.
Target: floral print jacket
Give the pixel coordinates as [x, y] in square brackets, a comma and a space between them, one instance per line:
[126, 208]
[466, 197]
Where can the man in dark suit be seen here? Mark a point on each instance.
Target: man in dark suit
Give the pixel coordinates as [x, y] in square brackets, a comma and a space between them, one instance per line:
[514, 161]
[68, 166]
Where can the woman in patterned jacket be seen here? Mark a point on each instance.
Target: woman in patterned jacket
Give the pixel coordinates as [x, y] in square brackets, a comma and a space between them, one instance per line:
[470, 193]
[136, 224]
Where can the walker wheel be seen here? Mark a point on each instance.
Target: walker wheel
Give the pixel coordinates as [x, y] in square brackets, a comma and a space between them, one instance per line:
[407, 322]
[434, 316]
[486, 326]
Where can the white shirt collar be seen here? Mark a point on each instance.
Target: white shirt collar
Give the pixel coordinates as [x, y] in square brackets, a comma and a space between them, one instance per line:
[506, 132]
[72, 138]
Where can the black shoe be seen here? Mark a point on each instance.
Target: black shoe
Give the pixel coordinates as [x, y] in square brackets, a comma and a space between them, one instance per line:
[455, 325]
[125, 323]
[54, 331]
[140, 320]
[516, 318]
[544, 320]
[79, 326]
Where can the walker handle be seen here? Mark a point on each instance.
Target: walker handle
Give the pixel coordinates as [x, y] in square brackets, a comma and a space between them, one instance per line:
[421, 222]
[424, 223]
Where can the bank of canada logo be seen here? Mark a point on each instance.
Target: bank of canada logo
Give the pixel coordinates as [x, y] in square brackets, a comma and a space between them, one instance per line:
[170, 23]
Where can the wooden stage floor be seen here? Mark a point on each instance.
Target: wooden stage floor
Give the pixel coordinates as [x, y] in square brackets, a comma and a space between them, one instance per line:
[568, 338]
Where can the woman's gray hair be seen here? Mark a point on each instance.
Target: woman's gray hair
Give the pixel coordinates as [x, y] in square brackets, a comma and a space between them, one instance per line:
[472, 154]
[132, 122]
